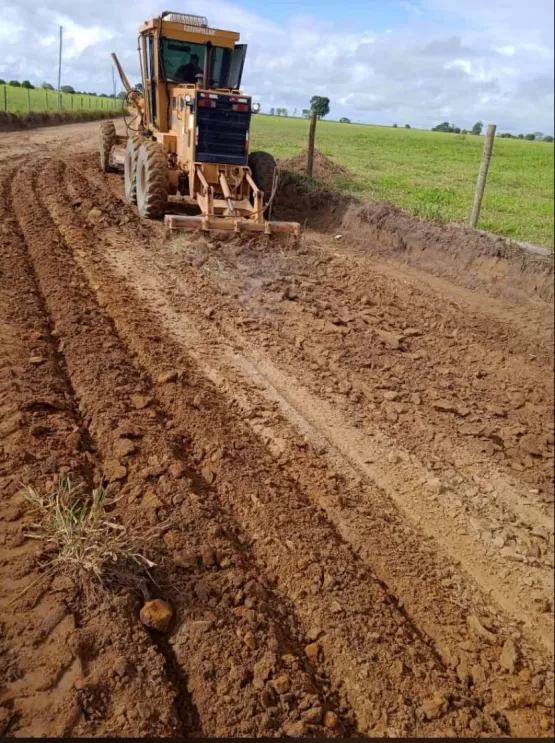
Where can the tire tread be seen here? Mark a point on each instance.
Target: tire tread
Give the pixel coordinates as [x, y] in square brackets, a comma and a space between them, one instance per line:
[152, 204]
[107, 141]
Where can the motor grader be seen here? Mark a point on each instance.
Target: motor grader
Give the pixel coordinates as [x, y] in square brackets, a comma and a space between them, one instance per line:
[189, 132]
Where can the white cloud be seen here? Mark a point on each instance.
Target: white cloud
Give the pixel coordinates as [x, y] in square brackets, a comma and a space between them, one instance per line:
[410, 7]
[78, 38]
[461, 60]
[462, 64]
[507, 51]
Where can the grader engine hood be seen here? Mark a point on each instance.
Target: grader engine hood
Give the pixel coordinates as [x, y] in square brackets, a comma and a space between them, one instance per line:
[223, 123]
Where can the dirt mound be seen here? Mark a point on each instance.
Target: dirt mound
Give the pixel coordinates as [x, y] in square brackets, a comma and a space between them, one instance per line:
[325, 170]
[463, 255]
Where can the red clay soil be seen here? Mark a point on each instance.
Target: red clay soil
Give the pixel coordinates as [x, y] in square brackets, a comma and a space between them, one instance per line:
[347, 460]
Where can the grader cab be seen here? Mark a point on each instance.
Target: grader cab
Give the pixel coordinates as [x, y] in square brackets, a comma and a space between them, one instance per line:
[189, 135]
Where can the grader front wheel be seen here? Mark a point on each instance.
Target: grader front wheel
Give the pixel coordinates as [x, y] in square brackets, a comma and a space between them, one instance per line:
[107, 140]
[130, 169]
[152, 180]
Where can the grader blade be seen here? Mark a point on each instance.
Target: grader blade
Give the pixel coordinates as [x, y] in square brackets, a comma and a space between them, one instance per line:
[229, 224]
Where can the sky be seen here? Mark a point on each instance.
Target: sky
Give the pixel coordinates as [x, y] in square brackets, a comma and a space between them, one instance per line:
[417, 62]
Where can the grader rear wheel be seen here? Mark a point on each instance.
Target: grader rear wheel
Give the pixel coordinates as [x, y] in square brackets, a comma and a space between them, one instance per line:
[130, 169]
[107, 141]
[152, 180]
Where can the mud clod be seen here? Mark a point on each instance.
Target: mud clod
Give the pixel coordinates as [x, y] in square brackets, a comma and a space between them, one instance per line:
[167, 376]
[114, 470]
[157, 614]
[435, 707]
[509, 655]
[282, 684]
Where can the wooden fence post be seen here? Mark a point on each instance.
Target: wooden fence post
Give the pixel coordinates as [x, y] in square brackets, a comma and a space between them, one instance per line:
[60, 72]
[46, 96]
[5, 97]
[311, 138]
[28, 100]
[482, 177]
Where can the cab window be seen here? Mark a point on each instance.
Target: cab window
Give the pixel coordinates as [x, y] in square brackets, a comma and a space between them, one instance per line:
[177, 54]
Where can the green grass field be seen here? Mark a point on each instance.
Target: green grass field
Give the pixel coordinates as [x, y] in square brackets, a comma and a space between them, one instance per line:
[16, 100]
[431, 175]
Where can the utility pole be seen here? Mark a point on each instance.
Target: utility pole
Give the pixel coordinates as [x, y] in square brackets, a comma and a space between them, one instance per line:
[60, 68]
[114, 80]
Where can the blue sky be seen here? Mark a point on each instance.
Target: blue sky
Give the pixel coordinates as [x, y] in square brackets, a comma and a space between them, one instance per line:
[389, 61]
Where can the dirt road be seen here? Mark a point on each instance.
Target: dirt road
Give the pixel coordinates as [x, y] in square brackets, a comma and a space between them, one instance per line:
[355, 456]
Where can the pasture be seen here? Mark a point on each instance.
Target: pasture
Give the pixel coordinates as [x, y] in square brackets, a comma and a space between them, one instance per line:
[430, 174]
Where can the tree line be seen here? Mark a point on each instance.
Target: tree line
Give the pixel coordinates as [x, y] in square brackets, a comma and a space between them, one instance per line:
[478, 127]
[532, 137]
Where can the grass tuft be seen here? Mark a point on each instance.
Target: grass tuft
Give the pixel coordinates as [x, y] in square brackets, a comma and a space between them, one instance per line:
[83, 539]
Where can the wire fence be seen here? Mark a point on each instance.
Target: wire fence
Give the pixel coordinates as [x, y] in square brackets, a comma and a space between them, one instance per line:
[21, 100]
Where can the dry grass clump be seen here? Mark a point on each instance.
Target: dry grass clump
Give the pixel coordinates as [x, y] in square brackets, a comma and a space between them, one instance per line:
[82, 539]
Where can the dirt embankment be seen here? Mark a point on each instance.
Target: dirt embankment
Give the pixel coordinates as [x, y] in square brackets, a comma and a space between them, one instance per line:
[10, 122]
[467, 257]
[463, 255]
[348, 465]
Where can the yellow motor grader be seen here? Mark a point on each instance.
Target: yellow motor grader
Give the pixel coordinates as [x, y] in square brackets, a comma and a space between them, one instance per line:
[189, 136]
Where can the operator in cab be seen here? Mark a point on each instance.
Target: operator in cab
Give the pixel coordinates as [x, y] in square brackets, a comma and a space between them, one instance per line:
[187, 73]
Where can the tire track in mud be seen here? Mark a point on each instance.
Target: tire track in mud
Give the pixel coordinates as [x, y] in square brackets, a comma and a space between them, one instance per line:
[311, 416]
[58, 653]
[218, 444]
[206, 301]
[219, 627]
[407, 477]
[20, 382]
[236, 492]
[472, 499]
[95, 277]
[479, 489]
[451, 374]
[483, 418]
